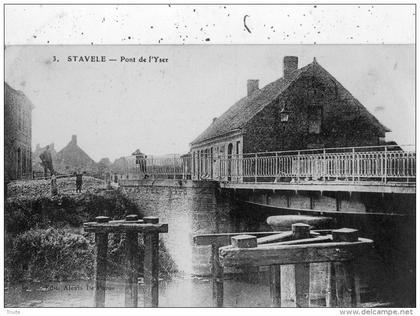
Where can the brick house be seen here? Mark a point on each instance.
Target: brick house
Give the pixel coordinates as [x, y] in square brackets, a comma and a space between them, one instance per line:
[72, 159]
[307, 108]
[17, 134]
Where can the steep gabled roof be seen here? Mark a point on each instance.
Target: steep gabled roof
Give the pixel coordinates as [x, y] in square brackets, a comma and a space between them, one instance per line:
[346, 95]
[246, 108]
[74, 156]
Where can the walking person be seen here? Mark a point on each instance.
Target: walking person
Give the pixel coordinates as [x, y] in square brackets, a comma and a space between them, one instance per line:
[79, 182]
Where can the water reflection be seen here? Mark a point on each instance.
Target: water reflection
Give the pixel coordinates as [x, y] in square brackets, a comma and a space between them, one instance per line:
[178, 292]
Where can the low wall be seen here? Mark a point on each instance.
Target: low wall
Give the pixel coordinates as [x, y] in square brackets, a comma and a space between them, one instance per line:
[189, 207]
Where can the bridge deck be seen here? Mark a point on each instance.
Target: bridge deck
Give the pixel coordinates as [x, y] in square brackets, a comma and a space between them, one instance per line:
[381, 169]
[372, 187]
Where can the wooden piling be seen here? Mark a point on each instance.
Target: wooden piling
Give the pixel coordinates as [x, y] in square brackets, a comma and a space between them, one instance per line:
[132, 226]
[345, 284]
[275, 285]
[217, 277]
[301, 231]
[101, 242]
[331, 297]
[302, 279]
[131, 267]
[101, 249]
[151, 265]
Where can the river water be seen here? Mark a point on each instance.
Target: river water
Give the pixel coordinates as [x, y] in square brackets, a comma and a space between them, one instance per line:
[177, 292]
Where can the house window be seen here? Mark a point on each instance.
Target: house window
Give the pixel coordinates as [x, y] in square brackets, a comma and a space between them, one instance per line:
[315, 120]
[222, 151]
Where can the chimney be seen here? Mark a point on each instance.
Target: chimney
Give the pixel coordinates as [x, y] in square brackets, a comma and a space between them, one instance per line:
[290, 64]
[214, 119]
[252, 86]
[74, 139]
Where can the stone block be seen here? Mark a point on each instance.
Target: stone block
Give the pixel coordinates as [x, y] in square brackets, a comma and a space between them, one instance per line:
[345, 234]
[244, 241]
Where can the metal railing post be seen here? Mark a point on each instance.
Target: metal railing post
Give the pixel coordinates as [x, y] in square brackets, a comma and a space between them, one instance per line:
[352, 164]
[152, 168]
[174, 167]
[386, 165]
[256, 168]
[298, 166]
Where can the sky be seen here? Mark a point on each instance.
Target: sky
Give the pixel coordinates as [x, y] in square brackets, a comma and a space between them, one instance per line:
[117, 107]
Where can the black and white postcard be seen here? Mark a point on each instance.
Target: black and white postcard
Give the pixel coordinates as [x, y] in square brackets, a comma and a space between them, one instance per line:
[210, 156]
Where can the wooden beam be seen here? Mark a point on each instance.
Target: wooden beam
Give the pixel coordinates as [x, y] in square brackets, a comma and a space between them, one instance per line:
[331, 297]
[101, 249]
[312, 240]
[151, 270]
[274, 238]
[217, 276]
[292, 254]
[224, 239]
[124, 226]
[131, 270]
[345, 284]
[302, 279]
[275, 285]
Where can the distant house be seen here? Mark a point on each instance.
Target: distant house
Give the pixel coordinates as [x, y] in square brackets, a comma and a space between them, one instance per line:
[72, 158]
[17, 134]
[307, 108]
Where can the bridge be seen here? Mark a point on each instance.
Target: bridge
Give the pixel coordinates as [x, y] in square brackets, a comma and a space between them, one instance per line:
[375, 169]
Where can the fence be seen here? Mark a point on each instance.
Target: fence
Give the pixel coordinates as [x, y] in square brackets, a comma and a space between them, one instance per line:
[174, 167]
[378, 163]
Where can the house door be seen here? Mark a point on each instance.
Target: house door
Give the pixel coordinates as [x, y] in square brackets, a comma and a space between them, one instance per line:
[229, 171]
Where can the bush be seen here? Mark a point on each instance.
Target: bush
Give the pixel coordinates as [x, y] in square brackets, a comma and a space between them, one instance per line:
[42, 212]
[50, 254]
[44, 239]
[56, 255]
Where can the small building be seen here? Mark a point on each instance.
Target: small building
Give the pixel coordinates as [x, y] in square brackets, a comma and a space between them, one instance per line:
[305, 109]
[17, 134]
[72, 159]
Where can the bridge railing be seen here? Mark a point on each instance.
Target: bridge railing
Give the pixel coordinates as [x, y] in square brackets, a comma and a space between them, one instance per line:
[378, 163]
[382, 163]
[174, 167]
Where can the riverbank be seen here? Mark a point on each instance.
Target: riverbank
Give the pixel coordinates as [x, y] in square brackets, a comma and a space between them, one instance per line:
[44, 237]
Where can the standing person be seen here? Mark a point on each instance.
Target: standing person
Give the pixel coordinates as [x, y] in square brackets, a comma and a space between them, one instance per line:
[46, 161]
[54, 189]
[79, 182]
